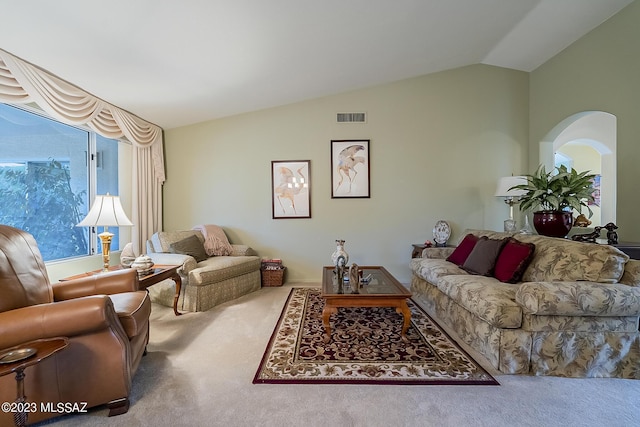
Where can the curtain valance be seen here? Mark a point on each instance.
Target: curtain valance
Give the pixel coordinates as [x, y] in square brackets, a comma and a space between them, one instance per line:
[22, 82]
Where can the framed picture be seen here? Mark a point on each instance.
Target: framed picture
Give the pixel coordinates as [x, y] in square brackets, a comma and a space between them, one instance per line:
[290, 189]
[350, 168]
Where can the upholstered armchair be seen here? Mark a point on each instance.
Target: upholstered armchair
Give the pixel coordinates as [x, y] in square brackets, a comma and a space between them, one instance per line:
[105, 317]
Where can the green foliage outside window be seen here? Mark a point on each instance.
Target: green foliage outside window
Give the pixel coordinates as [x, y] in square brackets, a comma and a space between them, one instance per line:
[38, 198]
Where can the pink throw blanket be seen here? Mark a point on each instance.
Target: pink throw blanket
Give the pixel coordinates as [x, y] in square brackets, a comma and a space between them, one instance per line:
[215, 241]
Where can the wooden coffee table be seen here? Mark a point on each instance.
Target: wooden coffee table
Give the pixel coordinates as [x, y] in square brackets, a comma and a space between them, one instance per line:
[383, 290]
[159, 273]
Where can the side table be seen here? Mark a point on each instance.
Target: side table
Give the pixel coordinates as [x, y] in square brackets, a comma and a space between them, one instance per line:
[159, 273]
[417, 250]
[17, 359]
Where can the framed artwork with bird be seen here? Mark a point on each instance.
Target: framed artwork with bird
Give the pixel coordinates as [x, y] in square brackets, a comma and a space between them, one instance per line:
[290, 189]
[350, 171]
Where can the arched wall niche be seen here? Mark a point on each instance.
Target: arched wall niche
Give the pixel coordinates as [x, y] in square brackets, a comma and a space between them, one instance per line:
[594, 129]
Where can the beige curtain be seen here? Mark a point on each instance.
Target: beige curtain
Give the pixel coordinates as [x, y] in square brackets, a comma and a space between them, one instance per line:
[21, 82]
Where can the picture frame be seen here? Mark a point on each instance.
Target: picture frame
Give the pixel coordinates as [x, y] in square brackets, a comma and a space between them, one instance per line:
[350, 168]
[290, 189]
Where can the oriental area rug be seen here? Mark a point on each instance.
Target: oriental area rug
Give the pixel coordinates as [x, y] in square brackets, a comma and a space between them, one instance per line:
[365, 348]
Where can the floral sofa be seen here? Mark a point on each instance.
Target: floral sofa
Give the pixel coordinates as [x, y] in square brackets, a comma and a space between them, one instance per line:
[574, 312]
[207, 280]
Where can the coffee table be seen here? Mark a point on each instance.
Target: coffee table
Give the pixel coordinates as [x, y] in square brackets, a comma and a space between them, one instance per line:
[157, 275]
[383, 290]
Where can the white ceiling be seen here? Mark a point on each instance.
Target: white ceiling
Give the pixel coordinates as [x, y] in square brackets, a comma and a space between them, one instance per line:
[177, 63]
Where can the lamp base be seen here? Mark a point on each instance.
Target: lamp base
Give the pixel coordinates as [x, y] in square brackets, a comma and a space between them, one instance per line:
[105, 238]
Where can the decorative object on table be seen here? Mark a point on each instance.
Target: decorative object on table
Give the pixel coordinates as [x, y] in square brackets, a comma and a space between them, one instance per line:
[556, 195]
[291, 189]
[339, 252]
[441, 233]
[526, 228]
[612, 235]
[143, 264]
[588, 237]
[370, 351]
[506, 189]
[428, 243]
[354, 278]
[350, 170]
[272, 272]
[581, 221]
[106, 212]
[127, 256]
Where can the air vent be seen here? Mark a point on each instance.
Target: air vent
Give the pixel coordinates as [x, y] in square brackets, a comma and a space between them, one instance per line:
[351, 117]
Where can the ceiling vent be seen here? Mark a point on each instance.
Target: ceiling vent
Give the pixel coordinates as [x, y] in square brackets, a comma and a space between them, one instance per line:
[351, 117]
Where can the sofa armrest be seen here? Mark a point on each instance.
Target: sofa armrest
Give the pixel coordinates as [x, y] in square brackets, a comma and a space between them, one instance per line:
[578, 299]
[186, 262]
[112, 282]
[242, 250]
[631, 276]
[66, 318]
[437, 253]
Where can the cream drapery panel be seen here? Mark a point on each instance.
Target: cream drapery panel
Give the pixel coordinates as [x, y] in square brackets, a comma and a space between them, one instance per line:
[22, 82]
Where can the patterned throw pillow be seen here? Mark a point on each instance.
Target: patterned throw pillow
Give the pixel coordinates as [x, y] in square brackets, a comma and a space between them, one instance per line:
[482, 258]
[462, 251]
[513, 260]
[190, 246]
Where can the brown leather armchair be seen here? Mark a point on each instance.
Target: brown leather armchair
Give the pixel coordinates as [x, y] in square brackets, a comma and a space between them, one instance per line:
[105, 317]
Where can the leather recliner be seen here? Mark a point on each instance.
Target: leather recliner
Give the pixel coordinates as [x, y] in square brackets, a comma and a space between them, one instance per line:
[104, 316]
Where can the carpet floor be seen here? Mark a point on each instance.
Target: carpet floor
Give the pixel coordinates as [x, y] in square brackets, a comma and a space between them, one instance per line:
[365, 348]
[199, 369]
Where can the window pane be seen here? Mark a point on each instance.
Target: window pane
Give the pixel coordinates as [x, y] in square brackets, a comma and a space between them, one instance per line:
[44, 181]
[107, 176]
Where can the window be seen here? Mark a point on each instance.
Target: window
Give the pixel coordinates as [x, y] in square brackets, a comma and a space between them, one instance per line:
[49, 173]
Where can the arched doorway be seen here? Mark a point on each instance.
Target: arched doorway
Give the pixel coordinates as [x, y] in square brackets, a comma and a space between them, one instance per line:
[582, 140]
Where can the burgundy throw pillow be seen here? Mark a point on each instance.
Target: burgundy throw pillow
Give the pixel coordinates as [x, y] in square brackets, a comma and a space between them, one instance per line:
[483, 256]
[462, 251]
[513, 260]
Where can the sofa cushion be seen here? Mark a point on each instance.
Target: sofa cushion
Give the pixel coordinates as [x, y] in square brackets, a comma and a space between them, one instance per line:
[578, 299]
[462, 251]
[217, 269]
[513, 260]
[432, 270]
[566, 260]
[482, 258]
[163, 239]
[485, 297]
[189, 246]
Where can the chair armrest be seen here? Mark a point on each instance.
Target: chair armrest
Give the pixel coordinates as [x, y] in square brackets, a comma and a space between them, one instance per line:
[187, 262]
[107, 283]
[242, 250]
[66, 318]
[579, 299]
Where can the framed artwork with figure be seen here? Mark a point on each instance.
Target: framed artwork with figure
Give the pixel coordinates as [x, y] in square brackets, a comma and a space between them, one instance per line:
[350, 170]
[290, 189]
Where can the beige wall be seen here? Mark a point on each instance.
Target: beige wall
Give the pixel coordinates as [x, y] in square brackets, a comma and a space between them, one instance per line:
[601, 71]
[439, 143]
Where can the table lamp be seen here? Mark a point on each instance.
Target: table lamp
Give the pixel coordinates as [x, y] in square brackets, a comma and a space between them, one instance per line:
[106, 212]
[510, 197]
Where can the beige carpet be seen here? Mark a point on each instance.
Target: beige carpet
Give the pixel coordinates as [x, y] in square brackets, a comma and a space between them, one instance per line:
[199, 369]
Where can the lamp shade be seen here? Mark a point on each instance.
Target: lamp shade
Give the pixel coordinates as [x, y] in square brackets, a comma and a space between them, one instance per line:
[505, 183]
[107, 212]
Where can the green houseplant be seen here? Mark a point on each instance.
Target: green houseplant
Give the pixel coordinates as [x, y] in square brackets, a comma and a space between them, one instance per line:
[554, 196]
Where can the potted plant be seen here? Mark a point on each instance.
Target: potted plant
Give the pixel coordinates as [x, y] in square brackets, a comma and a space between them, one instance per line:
[556, 196]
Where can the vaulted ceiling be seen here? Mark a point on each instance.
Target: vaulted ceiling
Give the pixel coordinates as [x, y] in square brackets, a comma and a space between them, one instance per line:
[177, 63]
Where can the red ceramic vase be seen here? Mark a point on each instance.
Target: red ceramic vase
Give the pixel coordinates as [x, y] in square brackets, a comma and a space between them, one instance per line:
[553, 223]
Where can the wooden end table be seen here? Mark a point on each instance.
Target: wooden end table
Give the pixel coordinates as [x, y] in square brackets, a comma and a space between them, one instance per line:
[160, 272]
[383, 290]
[35, 352]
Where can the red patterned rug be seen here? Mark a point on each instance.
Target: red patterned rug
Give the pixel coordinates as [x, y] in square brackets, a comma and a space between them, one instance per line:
[365, 348]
